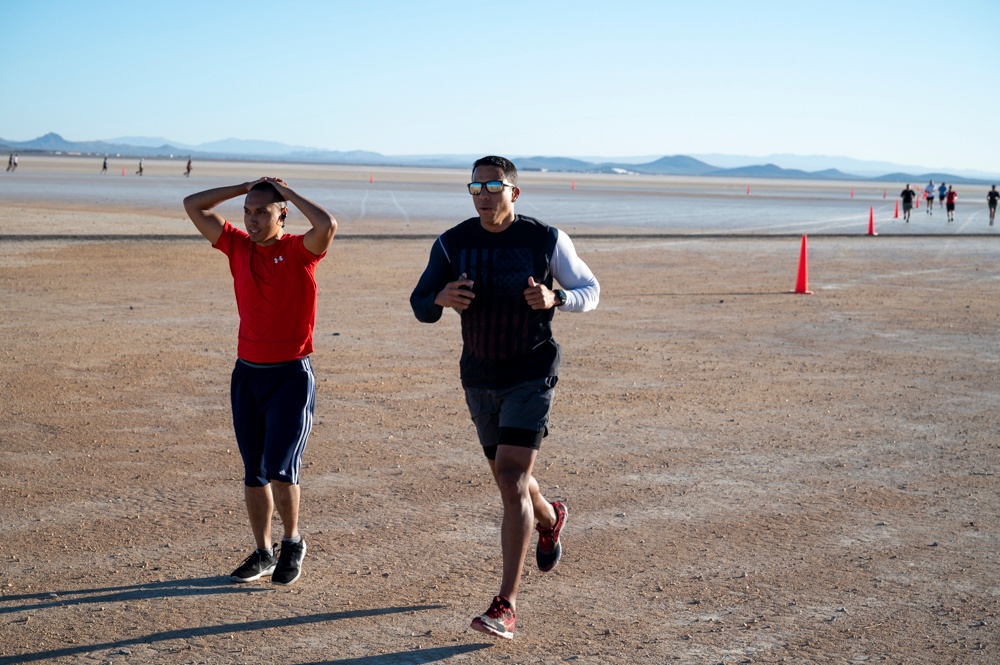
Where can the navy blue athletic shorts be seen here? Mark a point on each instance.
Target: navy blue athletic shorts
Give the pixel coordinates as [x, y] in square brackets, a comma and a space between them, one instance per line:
[273, 409]
[516, 416]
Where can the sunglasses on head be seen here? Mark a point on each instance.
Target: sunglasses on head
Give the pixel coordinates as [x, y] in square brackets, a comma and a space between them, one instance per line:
[493, 186]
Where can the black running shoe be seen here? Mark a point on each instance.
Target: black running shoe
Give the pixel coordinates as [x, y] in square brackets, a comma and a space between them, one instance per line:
[289, 562]
[549, 548]
[259, 564]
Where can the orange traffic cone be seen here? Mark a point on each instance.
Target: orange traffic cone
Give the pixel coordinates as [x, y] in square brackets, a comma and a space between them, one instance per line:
[573, 184]
[871, 222]
[123, 170]
[802, 282]
[371, 178]
[852, 193]
[748, 190]
[896, 214]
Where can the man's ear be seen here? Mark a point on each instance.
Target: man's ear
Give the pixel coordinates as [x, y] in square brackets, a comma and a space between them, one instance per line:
[514, 193]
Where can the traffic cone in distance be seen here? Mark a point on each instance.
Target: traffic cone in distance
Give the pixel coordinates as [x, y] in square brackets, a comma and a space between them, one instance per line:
[852, 193]
[748, 190]
[871, 222]
[371, 178]
[896, 214]
[572, 184]
[123, 170]
[802, 282]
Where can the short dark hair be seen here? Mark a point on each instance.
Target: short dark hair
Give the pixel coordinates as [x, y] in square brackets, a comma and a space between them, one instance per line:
[504, 164]
[276, 197]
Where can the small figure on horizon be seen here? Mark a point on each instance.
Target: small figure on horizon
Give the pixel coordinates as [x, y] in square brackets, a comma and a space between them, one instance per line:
[10, 162]
[907, 195]
[929, 197]
[140, 166]
[942, 193]
[104, 167]
[15, 162]
[951, 197]
[187, 171]
[992, 197]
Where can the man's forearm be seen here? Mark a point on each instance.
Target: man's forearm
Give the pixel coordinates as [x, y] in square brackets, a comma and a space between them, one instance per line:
[210, 198]
[317, 216]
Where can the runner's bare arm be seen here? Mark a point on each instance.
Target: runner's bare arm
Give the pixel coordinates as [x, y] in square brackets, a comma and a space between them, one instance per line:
[199, 208]
[319, 238]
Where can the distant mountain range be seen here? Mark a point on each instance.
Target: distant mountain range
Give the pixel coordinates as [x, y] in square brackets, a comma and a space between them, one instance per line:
[725, 165]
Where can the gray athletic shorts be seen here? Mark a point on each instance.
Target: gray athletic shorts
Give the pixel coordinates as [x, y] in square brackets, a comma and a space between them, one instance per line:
[515, 416]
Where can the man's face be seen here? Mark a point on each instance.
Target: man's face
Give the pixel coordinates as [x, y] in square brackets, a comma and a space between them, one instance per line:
[262, 218]
[496, 211]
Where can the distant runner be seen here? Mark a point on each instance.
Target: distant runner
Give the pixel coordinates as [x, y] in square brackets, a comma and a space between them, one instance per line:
[992, 197]
[908, 195]
[952, 196]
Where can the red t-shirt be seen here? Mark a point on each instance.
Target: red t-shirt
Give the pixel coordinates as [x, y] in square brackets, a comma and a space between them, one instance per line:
[275, 295]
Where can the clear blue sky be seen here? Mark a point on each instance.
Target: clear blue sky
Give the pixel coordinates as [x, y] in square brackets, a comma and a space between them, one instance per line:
[906, 82]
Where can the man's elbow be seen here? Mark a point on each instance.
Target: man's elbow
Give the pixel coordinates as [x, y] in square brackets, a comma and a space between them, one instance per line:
[328, 229]
[423, 312]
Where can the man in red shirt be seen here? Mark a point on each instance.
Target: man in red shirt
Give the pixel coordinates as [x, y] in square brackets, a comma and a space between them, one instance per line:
[273, 388]
[950, 199]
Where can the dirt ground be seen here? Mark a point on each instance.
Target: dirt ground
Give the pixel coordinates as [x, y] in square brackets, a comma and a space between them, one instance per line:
[752, 476]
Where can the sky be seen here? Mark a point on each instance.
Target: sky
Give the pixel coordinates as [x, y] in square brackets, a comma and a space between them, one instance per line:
[904, 82]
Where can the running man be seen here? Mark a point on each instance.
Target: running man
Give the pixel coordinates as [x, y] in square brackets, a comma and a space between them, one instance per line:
[950, 203]
[907, 195]
[187, 171]
[273, 389]
[497, 270]
[992, 197]
[104, 167]
[139, 172]
[929, 197]
[942, 193]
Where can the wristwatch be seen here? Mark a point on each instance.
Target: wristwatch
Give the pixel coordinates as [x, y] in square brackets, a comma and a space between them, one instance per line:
[561, 296]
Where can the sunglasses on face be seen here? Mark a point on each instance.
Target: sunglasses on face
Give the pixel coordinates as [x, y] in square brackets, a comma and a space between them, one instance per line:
[493, 187]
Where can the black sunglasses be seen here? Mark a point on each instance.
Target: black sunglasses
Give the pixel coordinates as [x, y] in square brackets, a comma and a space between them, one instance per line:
[493, 187]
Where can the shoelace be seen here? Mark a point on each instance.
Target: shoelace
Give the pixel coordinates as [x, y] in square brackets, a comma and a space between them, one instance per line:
[498, 610]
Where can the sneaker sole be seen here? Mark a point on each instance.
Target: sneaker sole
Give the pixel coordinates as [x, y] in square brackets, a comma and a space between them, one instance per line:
[477, 624]
[264, 573]
[555, 562]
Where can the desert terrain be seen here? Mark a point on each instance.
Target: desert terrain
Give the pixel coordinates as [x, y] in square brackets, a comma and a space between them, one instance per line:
[753, 476]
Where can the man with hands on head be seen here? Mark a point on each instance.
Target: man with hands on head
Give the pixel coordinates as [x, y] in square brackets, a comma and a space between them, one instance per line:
[498, 271]
[273, 388]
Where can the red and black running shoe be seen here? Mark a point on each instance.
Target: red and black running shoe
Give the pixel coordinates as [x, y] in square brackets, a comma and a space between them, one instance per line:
[549, 548]
[498, 621]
